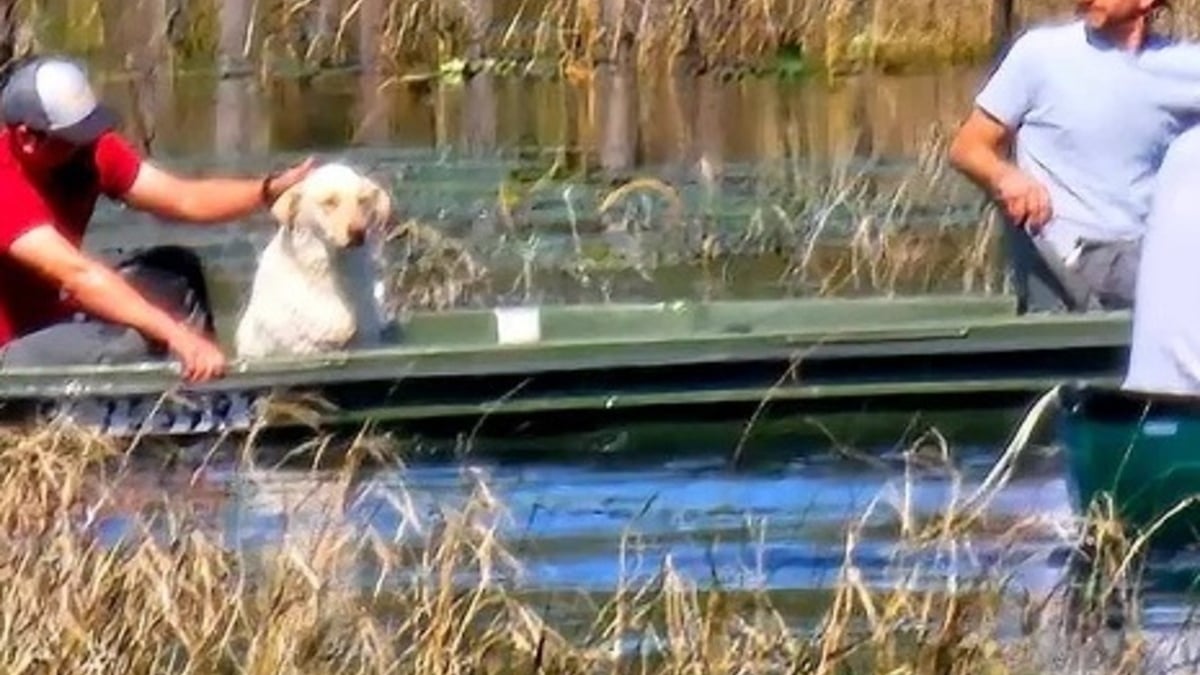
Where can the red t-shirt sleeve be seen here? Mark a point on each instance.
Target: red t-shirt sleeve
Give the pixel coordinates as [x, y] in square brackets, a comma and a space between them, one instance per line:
[117, 163]
[24, 209]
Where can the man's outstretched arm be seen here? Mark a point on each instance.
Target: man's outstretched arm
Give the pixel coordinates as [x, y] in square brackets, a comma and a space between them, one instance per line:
[207, 200]
[104, 293]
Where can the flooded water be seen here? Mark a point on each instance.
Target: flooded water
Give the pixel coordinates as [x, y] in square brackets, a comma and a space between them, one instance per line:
[777, 527]
[590, 521]
[588, 524]
[613, 116]
[759, 186]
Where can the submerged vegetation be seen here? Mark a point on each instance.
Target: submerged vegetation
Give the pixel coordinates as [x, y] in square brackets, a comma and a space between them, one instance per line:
[103, 572]
[846, 231]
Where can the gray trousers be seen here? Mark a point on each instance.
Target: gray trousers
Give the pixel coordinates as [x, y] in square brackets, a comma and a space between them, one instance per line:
[169, 276]
[1103, 278]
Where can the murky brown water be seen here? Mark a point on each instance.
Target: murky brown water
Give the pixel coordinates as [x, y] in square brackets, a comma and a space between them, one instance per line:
[616, 119]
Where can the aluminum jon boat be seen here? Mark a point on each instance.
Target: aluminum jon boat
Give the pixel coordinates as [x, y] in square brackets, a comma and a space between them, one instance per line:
[523, 372]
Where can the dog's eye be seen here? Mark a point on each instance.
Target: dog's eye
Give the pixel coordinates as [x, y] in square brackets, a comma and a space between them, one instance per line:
[330, 202]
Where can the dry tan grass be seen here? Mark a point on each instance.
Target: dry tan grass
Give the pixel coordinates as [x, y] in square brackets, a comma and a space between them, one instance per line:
[575, 34]
[171, 598]
[432, 271]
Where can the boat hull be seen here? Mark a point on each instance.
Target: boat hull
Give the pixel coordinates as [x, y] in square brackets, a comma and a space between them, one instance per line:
[520, 376]
[1137, 457]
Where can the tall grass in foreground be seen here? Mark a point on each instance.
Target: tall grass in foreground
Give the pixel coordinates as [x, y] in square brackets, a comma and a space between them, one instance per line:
[442, 593]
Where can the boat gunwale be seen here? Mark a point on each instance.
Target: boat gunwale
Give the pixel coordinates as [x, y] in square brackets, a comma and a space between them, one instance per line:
[400, 361]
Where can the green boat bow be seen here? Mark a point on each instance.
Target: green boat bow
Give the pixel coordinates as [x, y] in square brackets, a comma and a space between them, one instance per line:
[1135, 456]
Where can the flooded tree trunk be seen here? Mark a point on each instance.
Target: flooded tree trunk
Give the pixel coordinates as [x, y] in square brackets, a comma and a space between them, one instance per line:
[710, 128]
[699, 126]
[239, 120]
[233, 43]
[773, 137]
[137, 34]
[864, 144]
[1003, 18]
[374, 108]
[374, 105]
[479, 95]
[371, 15]
[682, 125]
[479, 114]
[616, 94]
[617, 32]
[615, 86]
[479, 14]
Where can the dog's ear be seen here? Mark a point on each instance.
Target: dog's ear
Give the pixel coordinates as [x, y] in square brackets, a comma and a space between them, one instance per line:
[381, 206]
[286, 206]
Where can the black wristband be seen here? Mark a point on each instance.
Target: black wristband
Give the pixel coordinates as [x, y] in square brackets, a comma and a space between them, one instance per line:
[264, 190]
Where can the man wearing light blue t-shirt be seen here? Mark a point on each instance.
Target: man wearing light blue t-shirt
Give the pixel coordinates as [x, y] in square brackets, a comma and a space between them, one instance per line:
[1086, 111]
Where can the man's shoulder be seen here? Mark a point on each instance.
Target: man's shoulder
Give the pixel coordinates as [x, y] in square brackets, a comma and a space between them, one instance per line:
[1171, 57]
[116, 138]
[117, 163]
[1047, 36]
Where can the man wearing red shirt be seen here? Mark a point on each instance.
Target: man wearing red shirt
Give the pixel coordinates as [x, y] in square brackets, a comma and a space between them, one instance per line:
[59, 152]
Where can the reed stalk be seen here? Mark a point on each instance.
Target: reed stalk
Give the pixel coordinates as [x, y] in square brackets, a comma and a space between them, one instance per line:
[114, 562]
[563, 35]
[836, 231]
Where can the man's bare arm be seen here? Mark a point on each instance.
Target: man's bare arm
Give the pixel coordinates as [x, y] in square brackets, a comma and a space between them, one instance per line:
[105, 294]
[204, 200]
[980, 151]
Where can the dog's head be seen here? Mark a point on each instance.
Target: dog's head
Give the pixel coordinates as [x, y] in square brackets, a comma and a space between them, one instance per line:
[339, 203]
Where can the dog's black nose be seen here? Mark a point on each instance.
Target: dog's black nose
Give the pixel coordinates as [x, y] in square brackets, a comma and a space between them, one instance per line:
[356, 237]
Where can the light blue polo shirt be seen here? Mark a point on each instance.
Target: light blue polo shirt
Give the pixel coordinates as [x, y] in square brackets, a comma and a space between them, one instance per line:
[1093, 123]
[1165, 354]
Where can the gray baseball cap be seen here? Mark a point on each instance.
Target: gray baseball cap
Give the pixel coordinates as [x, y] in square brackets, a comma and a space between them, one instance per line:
[53, 95]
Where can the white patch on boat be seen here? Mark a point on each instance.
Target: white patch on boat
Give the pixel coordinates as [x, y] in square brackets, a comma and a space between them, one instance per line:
[518, 325]
[1160, 428]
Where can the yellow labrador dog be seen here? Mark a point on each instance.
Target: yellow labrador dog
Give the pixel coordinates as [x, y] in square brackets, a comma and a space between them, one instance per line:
[314, 289]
